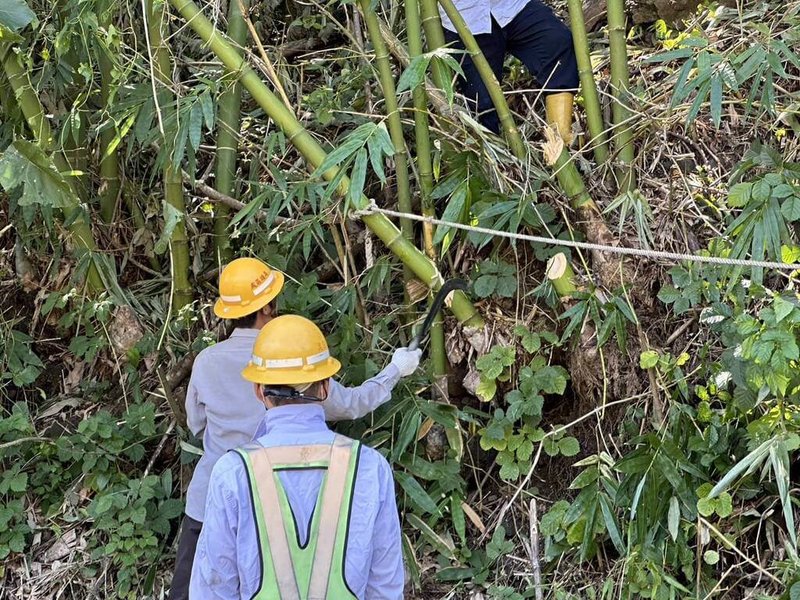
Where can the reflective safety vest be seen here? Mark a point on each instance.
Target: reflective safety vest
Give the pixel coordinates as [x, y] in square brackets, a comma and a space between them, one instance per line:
[314, 571]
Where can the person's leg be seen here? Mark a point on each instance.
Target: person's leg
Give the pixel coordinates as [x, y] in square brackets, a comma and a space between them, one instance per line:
[190, 532]
[493, 47]
[544, 45]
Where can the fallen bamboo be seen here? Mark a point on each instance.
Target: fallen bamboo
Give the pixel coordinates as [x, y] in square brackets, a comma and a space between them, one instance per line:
[313, 153]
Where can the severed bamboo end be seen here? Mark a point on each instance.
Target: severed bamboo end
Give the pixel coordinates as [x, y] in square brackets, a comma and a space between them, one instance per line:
[560, 273]
[553, 145]
[416, 290]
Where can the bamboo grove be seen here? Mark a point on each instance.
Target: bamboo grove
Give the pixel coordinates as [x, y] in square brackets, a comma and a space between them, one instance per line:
[227, 49]
[650, 407]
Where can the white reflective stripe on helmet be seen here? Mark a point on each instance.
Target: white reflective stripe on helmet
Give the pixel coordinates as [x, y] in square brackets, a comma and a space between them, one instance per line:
[230, 299]
[318, 358]
[283, 363]
[289, 363]
[264, 286]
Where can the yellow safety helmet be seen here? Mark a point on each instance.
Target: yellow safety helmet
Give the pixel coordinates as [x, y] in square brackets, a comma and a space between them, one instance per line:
[290, 350]
[245, 286]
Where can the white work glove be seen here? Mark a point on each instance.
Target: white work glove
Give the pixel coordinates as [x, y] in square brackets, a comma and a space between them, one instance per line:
[406, 360]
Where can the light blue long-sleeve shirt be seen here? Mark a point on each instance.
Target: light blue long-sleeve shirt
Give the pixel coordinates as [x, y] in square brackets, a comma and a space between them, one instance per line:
[222, 405]
[227, 564]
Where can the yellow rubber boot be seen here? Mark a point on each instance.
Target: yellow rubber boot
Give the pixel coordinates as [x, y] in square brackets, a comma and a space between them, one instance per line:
[559, 114]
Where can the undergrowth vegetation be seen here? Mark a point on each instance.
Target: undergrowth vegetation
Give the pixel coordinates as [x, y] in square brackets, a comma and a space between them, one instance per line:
[633, 435]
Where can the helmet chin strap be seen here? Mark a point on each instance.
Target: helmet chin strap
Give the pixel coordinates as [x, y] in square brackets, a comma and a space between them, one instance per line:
[288, 393]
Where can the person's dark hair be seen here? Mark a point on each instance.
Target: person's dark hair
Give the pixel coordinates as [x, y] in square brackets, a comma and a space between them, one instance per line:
[246, 322]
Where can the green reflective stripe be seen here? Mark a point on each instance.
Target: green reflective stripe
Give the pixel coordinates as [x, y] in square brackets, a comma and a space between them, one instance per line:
[337, 586]
[268, 581]
[302, 557]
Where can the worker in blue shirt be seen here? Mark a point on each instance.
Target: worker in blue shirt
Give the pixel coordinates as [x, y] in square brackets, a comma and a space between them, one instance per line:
[301, 512]
[529, 30]
[220, 404]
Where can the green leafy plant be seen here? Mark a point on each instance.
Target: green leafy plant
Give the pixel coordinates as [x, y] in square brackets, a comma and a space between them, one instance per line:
[495, 278]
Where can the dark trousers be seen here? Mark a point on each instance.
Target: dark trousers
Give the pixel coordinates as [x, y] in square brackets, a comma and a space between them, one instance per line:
[538, 39]
[190, 532]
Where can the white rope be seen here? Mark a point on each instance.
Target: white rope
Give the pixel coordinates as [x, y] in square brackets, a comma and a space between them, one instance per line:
[672, 256]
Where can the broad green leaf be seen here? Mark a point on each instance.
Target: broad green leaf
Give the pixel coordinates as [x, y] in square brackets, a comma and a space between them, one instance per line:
[739, 195]
[15, 15]
[25, 164]
[485, 285]
[487, 388]
[648, 359]
[790, 209]
[794, 591]
[569, 446]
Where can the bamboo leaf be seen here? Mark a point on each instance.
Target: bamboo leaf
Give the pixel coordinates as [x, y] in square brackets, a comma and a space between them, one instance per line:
[358, 177]
[172, 216]
[346, 149]
[442, 545]
[416, 493]
[779, 458]
[674, 517]
[405, 435]
[749, 463]
[611, 524]
[414, 74]
[195, 126]
[716, 100]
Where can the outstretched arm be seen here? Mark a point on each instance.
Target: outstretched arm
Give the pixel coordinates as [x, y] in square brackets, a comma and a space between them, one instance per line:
[353, 403]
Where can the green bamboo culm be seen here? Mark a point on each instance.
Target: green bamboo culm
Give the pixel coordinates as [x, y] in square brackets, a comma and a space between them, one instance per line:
[110, 184]
[510, 130]
[422, 137]
[79, 225]
[434, 36]
[591, 100]
[620, 83]
[313, 153]
[393, 118]
[229, 119]
[173, 183]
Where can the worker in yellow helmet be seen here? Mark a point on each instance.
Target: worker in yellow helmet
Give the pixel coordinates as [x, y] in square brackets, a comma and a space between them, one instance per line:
[300, 512]
[220, 404]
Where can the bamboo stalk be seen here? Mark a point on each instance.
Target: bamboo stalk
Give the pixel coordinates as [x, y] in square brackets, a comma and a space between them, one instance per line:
[228, 135]
[422, 136]
[393, 118]
[620, 83]
[79, 227]
[434, 35]
[313, 153]
[173, 185]
[487, 75]
[110, 183]
[591, 100]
